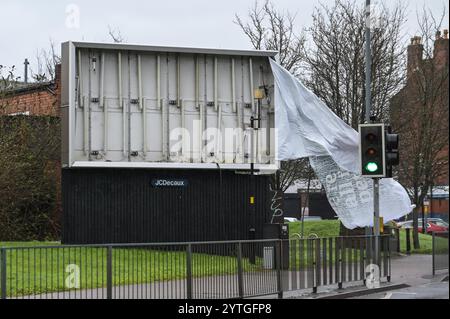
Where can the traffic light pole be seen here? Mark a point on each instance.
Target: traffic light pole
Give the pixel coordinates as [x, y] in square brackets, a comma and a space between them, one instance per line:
[376, 220]
[368, 110]
[368, 59]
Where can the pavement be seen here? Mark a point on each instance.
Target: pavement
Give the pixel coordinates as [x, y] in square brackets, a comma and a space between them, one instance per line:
[432, 290]
[415, 271]
[411, 278]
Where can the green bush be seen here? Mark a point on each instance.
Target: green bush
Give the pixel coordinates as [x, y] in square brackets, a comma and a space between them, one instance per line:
[29, 178]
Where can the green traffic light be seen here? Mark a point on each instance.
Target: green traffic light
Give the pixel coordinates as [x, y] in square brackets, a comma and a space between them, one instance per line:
[371, 167]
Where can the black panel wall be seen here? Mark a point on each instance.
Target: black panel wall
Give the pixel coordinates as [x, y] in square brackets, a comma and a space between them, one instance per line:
[292, 207]
[319, 206]
[102, 205]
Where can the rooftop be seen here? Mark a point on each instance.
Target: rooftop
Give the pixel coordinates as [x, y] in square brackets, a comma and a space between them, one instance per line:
[22, 87]
[150, 48]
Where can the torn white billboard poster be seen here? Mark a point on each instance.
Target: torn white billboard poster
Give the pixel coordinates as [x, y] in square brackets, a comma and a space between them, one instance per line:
[351, 196]
[306, 127]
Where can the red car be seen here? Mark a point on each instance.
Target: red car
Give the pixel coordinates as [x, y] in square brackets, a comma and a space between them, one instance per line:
[432, 226]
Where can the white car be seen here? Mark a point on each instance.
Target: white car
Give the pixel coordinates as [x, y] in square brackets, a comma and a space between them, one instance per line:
[290, 220]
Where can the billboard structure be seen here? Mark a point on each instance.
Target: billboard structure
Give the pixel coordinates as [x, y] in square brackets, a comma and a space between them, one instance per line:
[166, 107]
[157, 143]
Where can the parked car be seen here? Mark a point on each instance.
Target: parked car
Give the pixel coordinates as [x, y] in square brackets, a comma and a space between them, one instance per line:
[438, 221]
[312, 218]
[400, 224]
[305, 218]
[432, 225]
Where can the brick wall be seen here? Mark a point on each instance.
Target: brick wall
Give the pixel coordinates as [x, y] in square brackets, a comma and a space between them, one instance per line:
[409, 100]
[439, 206]
[37, 100]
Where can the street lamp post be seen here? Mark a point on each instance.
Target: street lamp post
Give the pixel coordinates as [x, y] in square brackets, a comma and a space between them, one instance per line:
[255, 123]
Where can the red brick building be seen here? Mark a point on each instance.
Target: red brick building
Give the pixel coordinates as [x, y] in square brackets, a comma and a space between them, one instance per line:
[33, 98]
[425, 94]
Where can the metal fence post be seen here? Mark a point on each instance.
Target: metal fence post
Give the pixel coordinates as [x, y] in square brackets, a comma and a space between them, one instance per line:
[433, 253]
[279, 257]
[189, 271]
[341, 268]
[408, 241]
[109, 273]
[314, 265]
[3, 273]
[397, 235]
[240, 271]
[389, 262]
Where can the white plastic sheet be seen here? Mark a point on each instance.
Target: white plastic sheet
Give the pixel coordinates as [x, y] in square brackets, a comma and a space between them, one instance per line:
[306, 127]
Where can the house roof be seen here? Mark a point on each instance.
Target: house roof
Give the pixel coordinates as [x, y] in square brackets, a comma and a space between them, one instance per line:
[315, 185]
[439, 192]
[14, 88]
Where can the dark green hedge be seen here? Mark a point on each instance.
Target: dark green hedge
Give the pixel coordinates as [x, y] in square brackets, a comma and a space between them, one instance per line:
[29, 178]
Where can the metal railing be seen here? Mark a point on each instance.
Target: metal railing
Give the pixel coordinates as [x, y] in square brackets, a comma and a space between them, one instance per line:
[439, 251]
[228, 269]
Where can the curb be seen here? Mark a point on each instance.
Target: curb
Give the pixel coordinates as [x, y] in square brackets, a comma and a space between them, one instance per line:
[364, 292]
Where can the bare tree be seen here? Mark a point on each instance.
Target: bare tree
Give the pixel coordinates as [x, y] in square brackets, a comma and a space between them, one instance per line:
[115, 34]
[420, 113]
[270, 29]
[46, 61]
[8, 80]
[335, 61]
[291, 171]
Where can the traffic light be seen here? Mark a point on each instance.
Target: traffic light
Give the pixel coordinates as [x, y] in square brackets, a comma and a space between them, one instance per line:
[372, 150]
[391, 151]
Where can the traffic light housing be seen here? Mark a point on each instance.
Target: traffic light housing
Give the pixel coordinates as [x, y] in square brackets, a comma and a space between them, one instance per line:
[391, 151]
[372, 150]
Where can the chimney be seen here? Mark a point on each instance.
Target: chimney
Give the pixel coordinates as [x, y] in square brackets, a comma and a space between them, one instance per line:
[57, 85]
[57, 73]
[415, 55]
[25, 77]
[438, 35]
[440, 54]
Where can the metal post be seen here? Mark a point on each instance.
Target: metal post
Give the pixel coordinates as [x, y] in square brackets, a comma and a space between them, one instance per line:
[109, 273]
[397, 235]
[408, 241]
[368, 70]
[240, 271]
[189, 271]
[26, 63]
[368, 59]
[431, 201]
[376, 221]
[315, 265]
[252, 230]
[3, 273]
[424, 225]
[433, 252]
[279, 260]
[341, 247]
[389, 262]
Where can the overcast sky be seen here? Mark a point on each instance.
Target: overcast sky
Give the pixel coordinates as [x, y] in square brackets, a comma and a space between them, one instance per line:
[28, 25]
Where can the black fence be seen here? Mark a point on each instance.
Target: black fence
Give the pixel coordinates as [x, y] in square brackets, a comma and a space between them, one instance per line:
[231, 269]
[440, 251]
